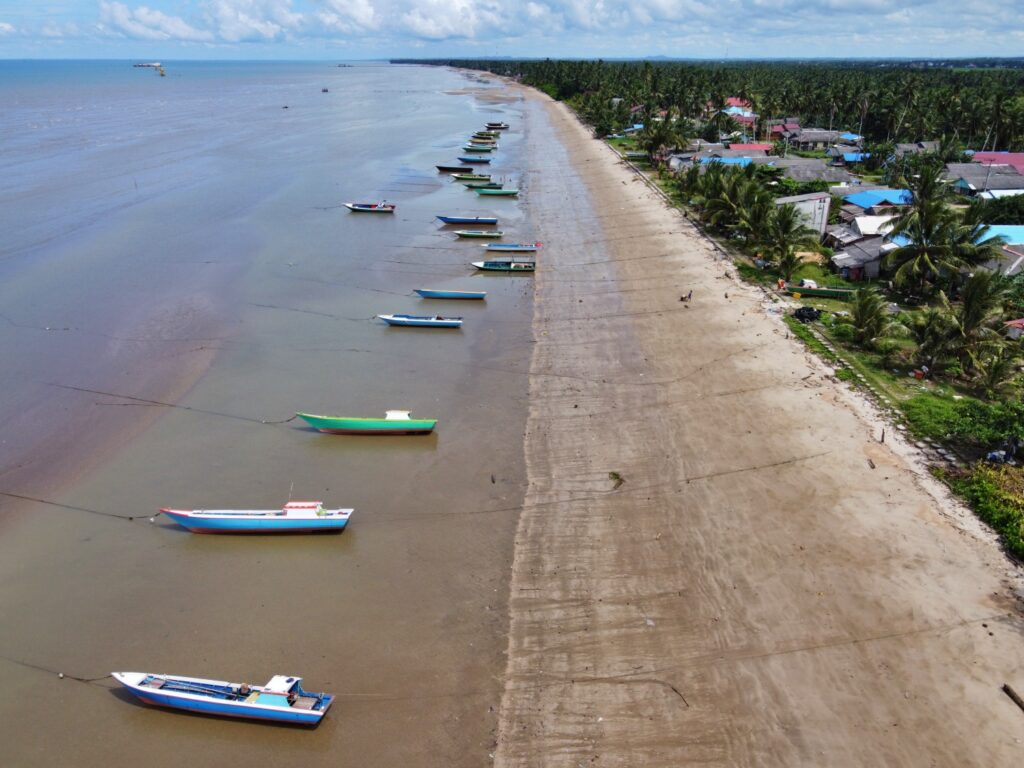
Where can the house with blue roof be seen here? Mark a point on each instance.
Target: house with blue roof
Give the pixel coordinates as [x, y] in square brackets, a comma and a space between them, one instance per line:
[876, 201]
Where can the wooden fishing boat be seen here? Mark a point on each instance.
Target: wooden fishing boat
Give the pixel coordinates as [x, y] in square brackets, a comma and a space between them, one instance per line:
[497, 126]
[505, 266]
[429, 293]
[476, 160]
[475, 148]
[482, 184]
[842, 294]
[371, 207]
[420, 321]
[486, 135]
[393, 423]
[282, 699]
[498, 192]
[483, 141]
[294, 517]
[479, 232]
[453, 169]
[512, 247]
[471, 176]
[481, 220]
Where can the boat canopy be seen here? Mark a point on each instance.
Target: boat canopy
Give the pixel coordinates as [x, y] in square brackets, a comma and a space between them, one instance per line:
[396, 415]
[280, 684]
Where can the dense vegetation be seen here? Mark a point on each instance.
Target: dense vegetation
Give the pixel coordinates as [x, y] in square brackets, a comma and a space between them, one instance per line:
[982, 108]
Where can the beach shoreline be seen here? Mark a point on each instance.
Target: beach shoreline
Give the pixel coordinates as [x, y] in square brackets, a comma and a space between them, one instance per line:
[717, 562]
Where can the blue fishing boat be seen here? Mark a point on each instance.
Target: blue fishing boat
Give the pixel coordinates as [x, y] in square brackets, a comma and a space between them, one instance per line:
[428, 293]
[282, 699]
[512, 247]
[505, 266]
[418, 321]
[475, 159]
[469, 219]
[294, 517]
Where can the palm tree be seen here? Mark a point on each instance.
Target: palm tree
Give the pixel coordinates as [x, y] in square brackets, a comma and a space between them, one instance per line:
[998, 368]
[785, 233]
[660, 135]
[871, 320]
[981, 305]
[925, 253]
[934, 330]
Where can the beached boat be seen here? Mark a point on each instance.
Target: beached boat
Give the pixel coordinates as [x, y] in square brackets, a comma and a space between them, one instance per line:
[282, 699]
[476, 160]
[479, 232]
[371, 207]
[453, 169]
[482, 184]
[471, 176]
[842, 294]
[483, 142]
[294, 517]
[393, 423]
[505, 266]
[429, 293]
[512, 247]
[498, 192]
[497, 126]
[481, 220]
[486, 135]
[476, 148]
[419, 321]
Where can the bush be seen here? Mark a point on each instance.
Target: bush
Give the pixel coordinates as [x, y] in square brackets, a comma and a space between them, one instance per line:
[995, 495]
[843, 331]
[970, 422]
[845, 374]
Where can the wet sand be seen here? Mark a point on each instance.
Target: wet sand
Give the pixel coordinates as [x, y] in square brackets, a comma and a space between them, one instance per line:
[404, 615]
[755, 593]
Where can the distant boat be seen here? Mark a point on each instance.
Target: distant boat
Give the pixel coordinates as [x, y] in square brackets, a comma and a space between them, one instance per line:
[469, 219]
[825, 292]
[294, 517]
[479, 232]
[471, 176]
[282, 699]
[151, 65]
[371, 207]
[497, 126]
[475, 159]
[482, 184]
[419, 321]
[505, 266]
[428, 293]
[498, 192]
[482, 141]
[452, 169]
[393, 423]
[486, 135]
[475, 148]
[512, 247]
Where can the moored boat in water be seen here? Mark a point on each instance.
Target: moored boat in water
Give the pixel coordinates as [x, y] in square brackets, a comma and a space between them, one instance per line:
[282, 699]
[481, 220]
[512, 247]
[479, 232]
[497, 126]
[421, 321]
[471, 176]
[505, 266]
[453, 169]
[294, 517]
[393, 423]
[430, 293]
[476, 160]
[382, 207]
[498, 192]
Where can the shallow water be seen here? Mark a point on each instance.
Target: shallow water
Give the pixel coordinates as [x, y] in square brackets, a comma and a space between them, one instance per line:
[181, 240]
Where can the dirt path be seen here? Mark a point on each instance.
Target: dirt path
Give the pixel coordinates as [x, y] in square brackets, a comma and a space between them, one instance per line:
[754, 593]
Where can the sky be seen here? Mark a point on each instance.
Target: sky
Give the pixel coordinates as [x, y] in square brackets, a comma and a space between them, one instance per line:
[357, 29]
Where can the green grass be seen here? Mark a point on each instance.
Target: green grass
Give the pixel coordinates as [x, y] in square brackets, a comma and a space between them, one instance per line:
[996, 494]
[802, 332]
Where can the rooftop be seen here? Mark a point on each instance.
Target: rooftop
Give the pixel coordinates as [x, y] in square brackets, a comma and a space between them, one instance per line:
[876, 197]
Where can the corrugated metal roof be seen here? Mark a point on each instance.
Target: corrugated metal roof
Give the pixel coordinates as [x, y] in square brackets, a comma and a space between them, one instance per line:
[1013, 233]
[875, 197]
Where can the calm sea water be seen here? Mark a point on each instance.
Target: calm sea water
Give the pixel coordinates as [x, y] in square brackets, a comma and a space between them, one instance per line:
[181, 239]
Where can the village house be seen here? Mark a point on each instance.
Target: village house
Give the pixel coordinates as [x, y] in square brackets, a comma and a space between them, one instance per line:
[1013, 159]
[917, 148]
[974, 178]
[873, 202]
[806, 169]
[1011, 262]
[813, 208]
[810, 139]
[860, 246]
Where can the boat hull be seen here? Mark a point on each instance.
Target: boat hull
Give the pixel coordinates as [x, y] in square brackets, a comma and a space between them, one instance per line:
[341, 425]
[479, 233]
[475, 159]
[211, 524]
[480, 220]
[407, 321]
[452, 169]
[369, 208]
[505, 266]
[512, 247]
[498, 192]
[426, 293]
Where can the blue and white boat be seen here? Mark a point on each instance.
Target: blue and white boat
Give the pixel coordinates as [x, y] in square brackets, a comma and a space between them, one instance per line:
[282, 699]
[474, 160]
[428, 293]
[469, 219]
[512, 247]
[294, 517]
[417, 321]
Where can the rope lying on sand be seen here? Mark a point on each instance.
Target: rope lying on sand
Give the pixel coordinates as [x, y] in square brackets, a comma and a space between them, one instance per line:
[61, 675]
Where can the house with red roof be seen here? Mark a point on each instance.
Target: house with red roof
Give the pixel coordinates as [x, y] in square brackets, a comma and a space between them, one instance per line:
[1015, 159]
[752, 147]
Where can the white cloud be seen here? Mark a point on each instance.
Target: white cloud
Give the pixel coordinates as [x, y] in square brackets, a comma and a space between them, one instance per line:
[6, 29]
[144, 23]
[247, 20]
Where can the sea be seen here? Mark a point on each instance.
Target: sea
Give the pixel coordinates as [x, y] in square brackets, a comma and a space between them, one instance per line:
[178, 277]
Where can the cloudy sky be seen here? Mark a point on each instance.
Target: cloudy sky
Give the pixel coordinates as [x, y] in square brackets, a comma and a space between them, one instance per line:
[338, 29]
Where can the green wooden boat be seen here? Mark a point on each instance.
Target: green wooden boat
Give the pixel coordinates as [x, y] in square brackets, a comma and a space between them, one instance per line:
[498, 192]
[471, 176]
[393, 423]
[474, 148]
[479, 232]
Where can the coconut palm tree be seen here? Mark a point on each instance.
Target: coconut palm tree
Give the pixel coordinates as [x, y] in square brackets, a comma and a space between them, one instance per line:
[786, 232]
[871, 319]
[976, 317]
[935, 331]
[998, 368]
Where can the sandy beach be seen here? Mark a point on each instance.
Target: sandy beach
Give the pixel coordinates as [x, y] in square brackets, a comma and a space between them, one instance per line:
[708, 569]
